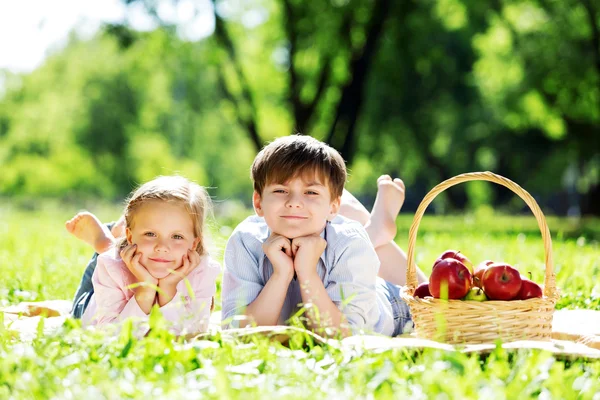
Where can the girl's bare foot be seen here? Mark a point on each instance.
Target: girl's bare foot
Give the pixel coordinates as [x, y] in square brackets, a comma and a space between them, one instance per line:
[87, 227]
[390, 197]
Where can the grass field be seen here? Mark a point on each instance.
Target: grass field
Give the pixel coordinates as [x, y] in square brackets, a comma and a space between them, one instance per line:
[39, 261]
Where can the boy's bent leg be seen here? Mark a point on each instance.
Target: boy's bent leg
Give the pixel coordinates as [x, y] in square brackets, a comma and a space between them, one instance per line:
[353, 209]
[394, 264]
[381, 226]
[85, 289]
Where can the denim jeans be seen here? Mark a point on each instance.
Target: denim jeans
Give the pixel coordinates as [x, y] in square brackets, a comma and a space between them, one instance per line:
[402, 319]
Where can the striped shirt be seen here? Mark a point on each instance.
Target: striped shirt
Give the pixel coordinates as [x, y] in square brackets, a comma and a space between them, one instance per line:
[348, 268]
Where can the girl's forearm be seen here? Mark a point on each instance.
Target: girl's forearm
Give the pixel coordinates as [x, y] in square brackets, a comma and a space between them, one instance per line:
[166, 294]
[145, 298]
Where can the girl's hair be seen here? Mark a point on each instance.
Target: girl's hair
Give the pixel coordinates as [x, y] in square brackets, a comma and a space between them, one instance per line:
[176, 189]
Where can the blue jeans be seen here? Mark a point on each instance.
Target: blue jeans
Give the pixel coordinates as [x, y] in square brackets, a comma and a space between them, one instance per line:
[402, 319]
[86, 289]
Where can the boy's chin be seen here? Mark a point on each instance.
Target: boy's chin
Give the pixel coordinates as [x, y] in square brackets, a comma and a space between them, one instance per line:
[293, 234]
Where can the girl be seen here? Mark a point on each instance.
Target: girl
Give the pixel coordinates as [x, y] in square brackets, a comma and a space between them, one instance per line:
[162, 248]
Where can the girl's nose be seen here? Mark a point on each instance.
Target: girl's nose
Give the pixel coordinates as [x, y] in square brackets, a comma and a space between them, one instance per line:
[161, 246]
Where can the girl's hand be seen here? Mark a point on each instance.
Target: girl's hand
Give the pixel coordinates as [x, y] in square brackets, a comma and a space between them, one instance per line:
[131, 258]
[190, 261]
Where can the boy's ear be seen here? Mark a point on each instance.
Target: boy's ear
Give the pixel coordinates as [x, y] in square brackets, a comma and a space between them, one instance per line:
[335, 207]
[256, 203]
[128, 235]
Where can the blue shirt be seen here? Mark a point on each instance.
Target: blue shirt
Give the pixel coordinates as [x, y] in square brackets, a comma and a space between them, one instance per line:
[348, 269]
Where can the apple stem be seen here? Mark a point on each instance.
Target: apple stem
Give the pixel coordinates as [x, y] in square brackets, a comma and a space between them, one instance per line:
[530, 275]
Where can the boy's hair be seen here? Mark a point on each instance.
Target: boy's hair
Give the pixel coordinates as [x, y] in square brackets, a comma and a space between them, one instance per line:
[296, 155]
[175, 189]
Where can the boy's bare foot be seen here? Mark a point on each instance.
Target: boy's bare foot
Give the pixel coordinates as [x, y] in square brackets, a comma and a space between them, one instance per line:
[118, 229]
[390, 197]
[87, 227]
[353, 209]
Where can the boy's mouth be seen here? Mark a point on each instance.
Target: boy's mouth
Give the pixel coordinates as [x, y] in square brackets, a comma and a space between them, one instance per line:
[293, 217]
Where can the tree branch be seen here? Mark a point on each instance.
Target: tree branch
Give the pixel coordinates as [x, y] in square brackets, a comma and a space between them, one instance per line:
[248, 121]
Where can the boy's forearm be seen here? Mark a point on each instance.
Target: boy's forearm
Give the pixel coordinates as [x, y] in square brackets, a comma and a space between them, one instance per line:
[327, 314]
[266, 308]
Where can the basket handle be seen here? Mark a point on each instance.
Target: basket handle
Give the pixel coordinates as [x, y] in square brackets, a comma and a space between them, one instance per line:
[411, 272]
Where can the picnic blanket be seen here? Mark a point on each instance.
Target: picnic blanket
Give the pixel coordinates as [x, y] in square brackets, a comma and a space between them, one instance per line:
[575, 333]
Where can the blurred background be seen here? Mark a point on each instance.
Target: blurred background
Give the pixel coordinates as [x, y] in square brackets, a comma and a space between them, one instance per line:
[98, 96]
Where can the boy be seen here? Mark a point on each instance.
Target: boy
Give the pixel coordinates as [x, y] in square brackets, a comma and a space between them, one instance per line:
[296, 250]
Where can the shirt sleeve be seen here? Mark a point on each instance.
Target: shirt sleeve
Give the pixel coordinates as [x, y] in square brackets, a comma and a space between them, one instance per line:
[242, 282]
[110, 292]
[352, 282]
[190, 312]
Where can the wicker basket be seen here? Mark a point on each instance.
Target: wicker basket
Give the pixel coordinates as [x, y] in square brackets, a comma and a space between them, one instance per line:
[459, 321]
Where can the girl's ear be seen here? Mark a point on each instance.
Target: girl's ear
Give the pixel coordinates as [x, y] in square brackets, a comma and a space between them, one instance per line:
[196, 242]
[334, 207]
[256, 202]
[128, 235]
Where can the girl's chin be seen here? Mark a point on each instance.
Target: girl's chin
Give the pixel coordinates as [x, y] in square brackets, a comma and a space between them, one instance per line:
[159, 274]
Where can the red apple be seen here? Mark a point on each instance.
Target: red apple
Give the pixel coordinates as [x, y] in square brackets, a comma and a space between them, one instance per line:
[450, 279]
[457, 255]
[501, 282]
[479, 271]
[529, 290]
[422, 291]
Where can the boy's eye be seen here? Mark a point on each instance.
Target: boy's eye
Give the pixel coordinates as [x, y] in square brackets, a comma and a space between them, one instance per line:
[149, 234]
[278, 191]
[312, 192]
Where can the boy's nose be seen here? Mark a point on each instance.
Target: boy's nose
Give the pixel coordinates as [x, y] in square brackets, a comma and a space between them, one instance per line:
[294, 202]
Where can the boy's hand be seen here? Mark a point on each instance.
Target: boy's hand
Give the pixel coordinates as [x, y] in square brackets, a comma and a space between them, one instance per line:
[306, 251]
[190, 261]
[131, 258]
[279, 251]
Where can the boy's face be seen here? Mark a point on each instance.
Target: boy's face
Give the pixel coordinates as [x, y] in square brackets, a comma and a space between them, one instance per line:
[298, 207]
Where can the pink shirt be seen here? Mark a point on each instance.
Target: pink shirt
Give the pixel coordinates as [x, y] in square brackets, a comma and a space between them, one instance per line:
[113, 301]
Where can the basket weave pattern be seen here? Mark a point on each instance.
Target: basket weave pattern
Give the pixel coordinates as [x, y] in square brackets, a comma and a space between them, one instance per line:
[459, 321]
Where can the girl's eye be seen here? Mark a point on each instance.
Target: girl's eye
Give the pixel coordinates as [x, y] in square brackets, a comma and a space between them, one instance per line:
[178, 237]
[149, 234]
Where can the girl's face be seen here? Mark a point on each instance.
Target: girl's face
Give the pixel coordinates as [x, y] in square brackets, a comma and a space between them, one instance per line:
[163, 232]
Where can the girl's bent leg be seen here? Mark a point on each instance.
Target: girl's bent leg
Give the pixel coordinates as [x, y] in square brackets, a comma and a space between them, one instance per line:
[85, 289]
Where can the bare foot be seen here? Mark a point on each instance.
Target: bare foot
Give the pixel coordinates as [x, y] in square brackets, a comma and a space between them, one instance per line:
[87, 227]
[390, 197]
[353, 209]
[118, 229]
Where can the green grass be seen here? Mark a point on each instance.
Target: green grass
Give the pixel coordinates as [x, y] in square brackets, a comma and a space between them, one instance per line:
[39, 261]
